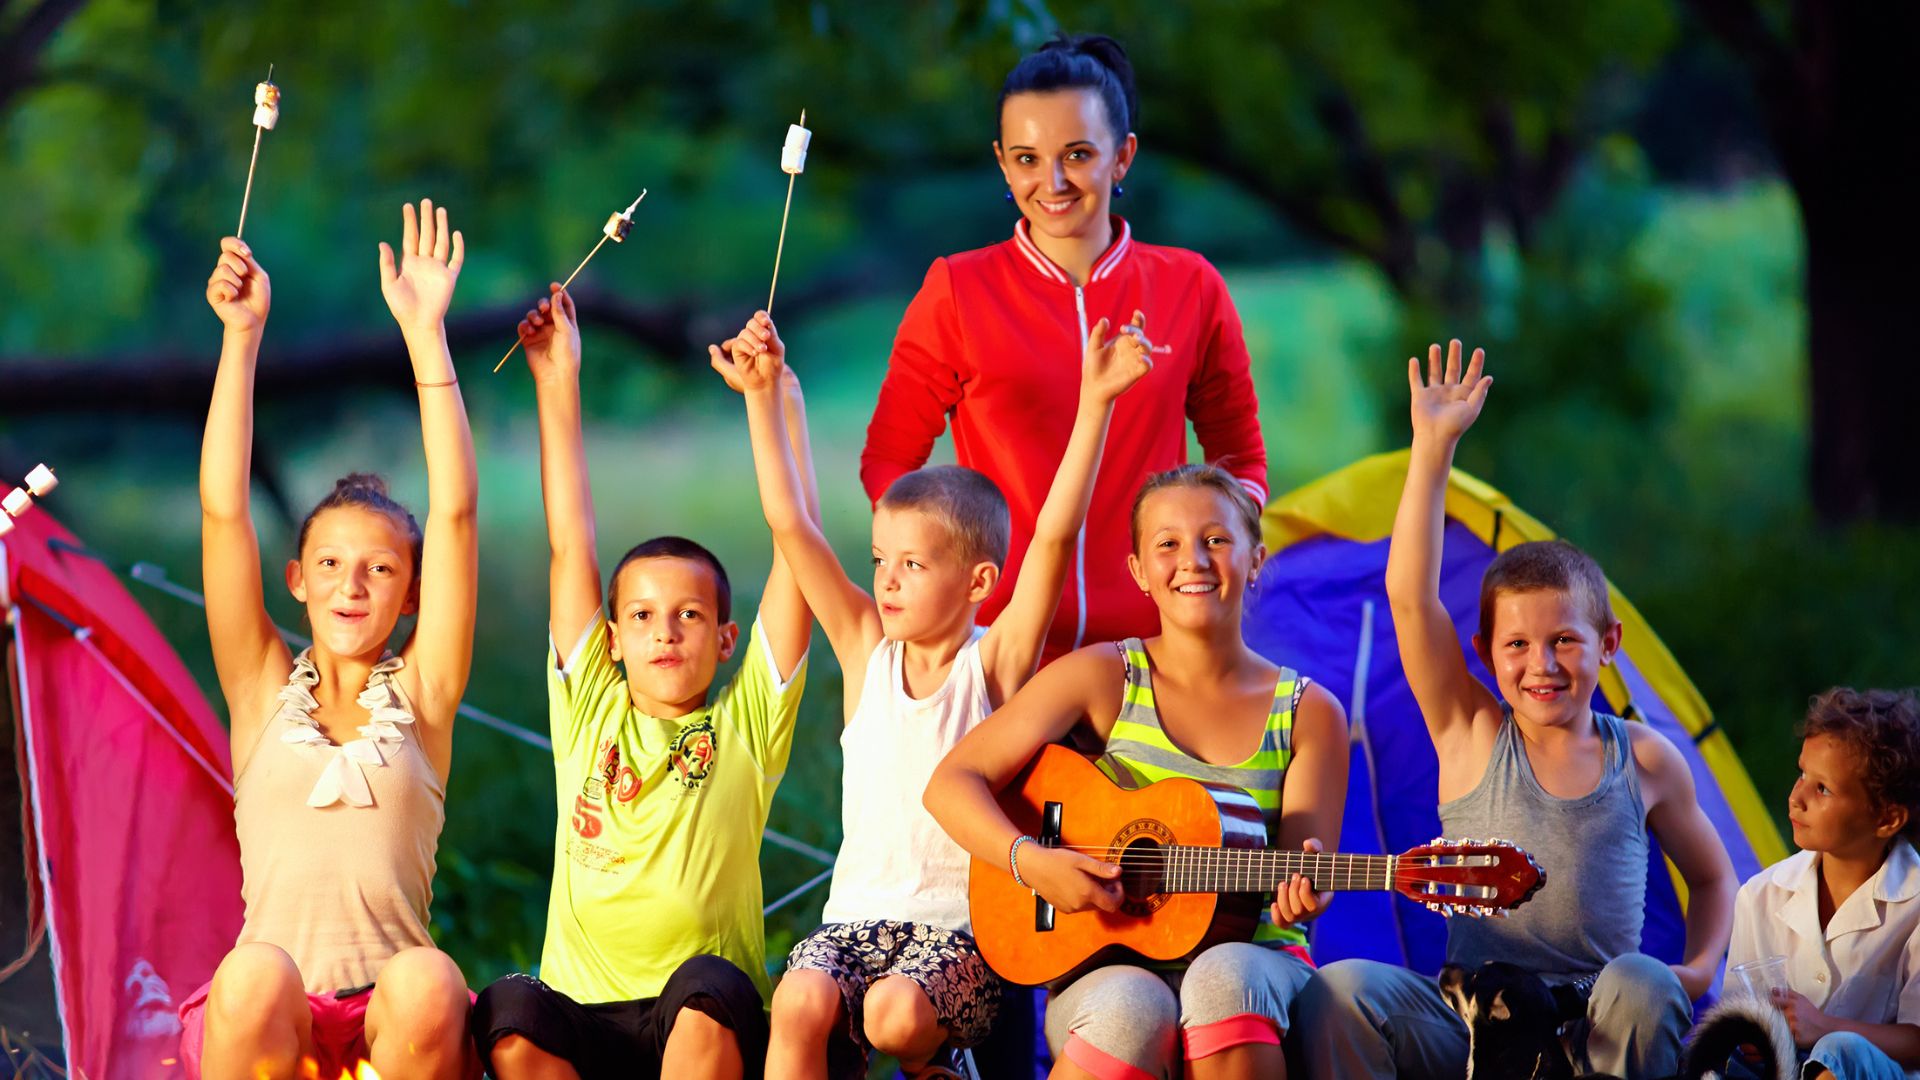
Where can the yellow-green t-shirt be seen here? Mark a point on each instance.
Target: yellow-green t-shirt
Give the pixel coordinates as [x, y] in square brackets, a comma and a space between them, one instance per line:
[657, 854]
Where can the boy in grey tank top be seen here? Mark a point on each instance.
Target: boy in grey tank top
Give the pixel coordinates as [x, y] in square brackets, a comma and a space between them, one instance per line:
[1579, 790]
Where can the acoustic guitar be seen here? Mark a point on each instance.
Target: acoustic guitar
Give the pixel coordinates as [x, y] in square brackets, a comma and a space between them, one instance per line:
[1195, 870]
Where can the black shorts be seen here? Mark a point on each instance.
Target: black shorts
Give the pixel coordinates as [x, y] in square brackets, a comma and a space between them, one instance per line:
[622, 1039]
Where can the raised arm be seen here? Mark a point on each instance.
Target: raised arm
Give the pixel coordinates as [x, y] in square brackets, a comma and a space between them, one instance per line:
[1221, 402]
[1450, 698]
[1011, 650]
[1688, 838]
[922, 385]
[961, 795]
[551, 335]
[418, 289]
[248, 655]
[754, 364]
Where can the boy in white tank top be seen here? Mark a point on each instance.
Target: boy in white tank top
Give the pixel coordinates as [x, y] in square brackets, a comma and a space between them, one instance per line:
[894, 969]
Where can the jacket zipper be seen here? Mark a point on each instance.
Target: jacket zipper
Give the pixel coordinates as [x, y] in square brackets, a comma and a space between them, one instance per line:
[1080, 541]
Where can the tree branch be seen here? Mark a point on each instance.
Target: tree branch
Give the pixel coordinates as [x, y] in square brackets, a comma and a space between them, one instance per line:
[20, 50]
[178, 382]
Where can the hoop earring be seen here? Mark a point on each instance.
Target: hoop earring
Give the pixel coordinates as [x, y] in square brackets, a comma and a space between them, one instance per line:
[1009, 195]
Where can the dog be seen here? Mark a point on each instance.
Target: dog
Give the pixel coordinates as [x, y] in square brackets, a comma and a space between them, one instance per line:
[1734, 1023]
[1513, 1022]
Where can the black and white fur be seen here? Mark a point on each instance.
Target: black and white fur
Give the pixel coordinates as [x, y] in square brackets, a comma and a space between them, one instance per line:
[1740, 1022]
[1513, 1021]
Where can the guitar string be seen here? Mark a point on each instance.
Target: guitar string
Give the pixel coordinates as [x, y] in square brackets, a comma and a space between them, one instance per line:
[1195, 866]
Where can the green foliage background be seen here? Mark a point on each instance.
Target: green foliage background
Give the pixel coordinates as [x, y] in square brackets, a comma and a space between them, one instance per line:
[1646, 327]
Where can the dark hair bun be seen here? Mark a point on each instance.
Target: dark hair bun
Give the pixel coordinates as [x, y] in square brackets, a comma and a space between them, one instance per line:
[361, 483]
[1081, 61]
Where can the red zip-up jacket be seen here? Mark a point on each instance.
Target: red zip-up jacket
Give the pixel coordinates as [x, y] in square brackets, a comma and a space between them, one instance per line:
[994, 341]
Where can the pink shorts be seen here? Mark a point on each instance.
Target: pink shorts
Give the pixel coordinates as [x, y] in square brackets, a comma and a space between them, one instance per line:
[339, 1031]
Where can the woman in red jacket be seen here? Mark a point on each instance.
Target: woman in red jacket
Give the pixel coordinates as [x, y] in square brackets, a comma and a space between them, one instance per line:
[994, 339]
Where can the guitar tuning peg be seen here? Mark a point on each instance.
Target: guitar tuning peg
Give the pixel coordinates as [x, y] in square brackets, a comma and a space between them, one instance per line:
[1438, 840]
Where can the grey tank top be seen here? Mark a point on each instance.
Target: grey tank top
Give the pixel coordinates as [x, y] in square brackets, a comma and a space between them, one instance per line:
[1593, 849]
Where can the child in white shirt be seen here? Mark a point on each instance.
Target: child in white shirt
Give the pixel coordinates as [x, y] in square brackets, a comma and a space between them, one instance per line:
[1845, 910]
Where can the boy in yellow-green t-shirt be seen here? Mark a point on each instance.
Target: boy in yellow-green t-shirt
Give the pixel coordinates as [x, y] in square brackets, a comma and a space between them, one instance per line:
[654, 956]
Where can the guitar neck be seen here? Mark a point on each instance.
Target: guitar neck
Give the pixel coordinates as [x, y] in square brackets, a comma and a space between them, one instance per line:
[1236, 870]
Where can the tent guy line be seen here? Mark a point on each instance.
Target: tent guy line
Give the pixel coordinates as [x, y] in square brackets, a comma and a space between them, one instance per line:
[84, 636]
[155, 576]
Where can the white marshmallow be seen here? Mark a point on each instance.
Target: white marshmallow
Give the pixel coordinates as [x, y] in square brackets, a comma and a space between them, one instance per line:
[41, 480]
[17, 502]
[6, 524]
[266, 101]
[620, 223]
[793, 156]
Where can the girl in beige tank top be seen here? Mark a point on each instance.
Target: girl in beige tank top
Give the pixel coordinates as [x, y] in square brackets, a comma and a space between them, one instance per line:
[340, 754]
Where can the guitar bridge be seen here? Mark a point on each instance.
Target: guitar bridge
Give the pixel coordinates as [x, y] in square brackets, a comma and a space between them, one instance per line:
[1043, 911]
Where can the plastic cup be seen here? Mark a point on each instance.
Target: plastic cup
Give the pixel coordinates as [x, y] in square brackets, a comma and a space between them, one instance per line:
[1758, 978]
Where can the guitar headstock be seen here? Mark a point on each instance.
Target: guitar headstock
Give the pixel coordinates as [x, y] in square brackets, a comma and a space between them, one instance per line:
[1467, 877]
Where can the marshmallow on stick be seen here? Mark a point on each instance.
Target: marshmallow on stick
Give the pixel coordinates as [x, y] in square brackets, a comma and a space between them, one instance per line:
[793, 162]
[266, 114]
[619, 224]
[18, 501]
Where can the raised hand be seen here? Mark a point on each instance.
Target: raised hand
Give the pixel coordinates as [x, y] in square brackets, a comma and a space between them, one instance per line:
[550, 333]
[753, 359]
[1450, 400]
[1295, 901]
[1110, 365]
[238, 290]
[420, 288]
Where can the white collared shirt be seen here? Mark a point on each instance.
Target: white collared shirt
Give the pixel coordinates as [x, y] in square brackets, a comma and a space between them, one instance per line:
[1866, 965]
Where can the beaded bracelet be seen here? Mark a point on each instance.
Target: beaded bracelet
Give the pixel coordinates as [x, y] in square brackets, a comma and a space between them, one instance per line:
[1013, 860]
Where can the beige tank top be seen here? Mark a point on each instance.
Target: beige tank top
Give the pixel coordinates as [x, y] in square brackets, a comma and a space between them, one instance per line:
[337, 842]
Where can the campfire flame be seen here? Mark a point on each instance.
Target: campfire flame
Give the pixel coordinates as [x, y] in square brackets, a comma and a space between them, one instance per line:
[310, 1070]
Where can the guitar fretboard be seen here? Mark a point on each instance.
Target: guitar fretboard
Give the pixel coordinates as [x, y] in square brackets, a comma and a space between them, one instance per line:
[1232, 870]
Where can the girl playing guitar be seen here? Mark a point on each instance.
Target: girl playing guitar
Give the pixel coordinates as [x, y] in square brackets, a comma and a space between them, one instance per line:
[1193, 701]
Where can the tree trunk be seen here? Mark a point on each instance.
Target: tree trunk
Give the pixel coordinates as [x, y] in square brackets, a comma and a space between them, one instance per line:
[1840, 109]
[1861, 219]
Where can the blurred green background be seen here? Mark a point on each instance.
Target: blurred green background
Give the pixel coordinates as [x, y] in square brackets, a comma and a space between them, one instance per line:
[1595, 192]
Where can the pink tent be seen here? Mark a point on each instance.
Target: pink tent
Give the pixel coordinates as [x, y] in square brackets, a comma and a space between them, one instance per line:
[127, 806]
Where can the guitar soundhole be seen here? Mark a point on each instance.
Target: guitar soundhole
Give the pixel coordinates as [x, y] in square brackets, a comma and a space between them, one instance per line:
[1143, 867]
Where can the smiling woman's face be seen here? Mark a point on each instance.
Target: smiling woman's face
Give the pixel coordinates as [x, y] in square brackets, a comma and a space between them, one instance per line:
[1061, 157]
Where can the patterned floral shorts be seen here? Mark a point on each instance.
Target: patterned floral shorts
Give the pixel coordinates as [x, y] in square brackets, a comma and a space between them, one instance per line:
[945, 964]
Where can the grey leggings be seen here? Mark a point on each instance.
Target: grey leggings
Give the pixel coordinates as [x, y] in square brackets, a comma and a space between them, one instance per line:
[1361, 1019]
[1137, 1016]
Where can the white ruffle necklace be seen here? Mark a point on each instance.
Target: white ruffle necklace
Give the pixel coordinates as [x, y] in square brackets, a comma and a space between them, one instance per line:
[344, 779]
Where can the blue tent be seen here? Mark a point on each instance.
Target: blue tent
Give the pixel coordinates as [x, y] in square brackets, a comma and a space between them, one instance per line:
[1321, 608]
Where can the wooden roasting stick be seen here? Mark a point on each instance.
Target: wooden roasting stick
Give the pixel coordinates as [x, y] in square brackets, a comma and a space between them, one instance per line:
[619, 223]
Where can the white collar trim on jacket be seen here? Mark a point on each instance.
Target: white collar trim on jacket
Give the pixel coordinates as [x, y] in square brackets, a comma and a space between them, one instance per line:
[1047, 268]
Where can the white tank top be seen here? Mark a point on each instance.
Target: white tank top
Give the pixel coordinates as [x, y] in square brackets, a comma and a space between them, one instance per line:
[895, 861]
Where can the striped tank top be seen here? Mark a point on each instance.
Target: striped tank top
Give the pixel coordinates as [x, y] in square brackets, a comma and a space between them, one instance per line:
[1138, 752]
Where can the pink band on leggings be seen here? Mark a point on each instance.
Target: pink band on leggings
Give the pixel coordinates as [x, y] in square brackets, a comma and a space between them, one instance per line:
[1102, 1065]
[1247, 1028]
